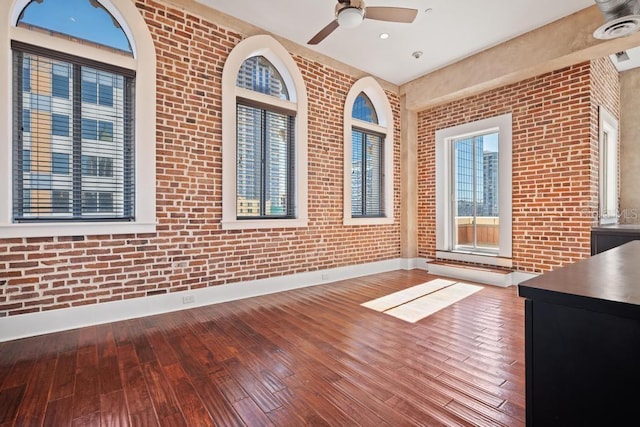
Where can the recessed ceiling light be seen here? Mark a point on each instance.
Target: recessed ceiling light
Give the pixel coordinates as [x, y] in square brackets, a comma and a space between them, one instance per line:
[428, 10]
[417, 54]
[384, 36]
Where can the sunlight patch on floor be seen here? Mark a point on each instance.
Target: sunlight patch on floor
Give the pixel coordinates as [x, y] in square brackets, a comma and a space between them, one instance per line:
[416, 303]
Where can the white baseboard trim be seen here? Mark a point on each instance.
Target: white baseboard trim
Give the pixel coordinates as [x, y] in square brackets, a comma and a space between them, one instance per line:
[27, 325]
[476, 275]
[414, 263]
[518, 277]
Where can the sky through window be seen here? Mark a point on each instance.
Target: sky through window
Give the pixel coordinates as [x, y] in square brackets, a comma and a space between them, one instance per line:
[84, 19]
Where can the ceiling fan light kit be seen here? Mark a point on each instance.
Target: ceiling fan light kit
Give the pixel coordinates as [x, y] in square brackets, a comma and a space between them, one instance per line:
[350, 17]
[351, 13]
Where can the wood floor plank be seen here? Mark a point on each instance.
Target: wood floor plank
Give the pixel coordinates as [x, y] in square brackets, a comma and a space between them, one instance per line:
[144, 418]
[122, 332]
[264, 398]
[422, 414]
[109, 374]
[195, 357]
[10, 401]
[229, 387]
[470, 415]
[135, 388]
[302, 409]
[86, 397]
[106, 341]
[66, 341]
[310, 356]
[89, 420]
[5, 368]
[113, 409]
[19, 374]
[220, 409]
[175, 420]
[222, 346]
[144, 351]
[162, 395]
[514, 410]
[192, 408]
[59, 412]
[87, 337]
[251, 414]
[285, 417]
[161, 348]
[34, 403]
[65, 375]
[253, 363]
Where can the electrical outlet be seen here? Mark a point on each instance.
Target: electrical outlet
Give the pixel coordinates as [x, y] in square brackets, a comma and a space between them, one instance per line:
[188, 299]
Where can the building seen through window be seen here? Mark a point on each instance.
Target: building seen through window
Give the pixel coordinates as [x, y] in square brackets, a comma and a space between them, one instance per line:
[476, 191]
[265, 145]
[367, 162]
[73, 138]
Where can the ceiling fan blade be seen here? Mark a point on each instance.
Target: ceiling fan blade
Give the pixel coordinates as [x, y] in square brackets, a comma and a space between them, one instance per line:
[391, 14]
[324, 32]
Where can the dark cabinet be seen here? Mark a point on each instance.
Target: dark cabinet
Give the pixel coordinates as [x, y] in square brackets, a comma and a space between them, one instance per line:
[582, 341]
[606, 237]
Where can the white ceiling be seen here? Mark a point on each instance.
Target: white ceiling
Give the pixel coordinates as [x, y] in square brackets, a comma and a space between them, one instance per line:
[451, 31]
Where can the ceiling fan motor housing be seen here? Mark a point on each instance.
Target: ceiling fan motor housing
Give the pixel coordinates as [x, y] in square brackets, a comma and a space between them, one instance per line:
[350, 13]
[349, 4]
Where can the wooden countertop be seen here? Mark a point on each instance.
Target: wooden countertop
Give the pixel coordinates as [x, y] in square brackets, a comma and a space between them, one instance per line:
[608, 282]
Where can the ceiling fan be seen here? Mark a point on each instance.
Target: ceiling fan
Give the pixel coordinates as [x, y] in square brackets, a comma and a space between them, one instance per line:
[350, 13]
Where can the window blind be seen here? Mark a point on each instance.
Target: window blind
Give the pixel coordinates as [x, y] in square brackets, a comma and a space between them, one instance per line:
[73, 139]
[367, 174]
[265, 167]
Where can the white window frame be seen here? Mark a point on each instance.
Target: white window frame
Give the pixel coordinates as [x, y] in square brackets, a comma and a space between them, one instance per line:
[380, 102]
[274, 52]
[608, 159]
[143, 62]
[445, 246]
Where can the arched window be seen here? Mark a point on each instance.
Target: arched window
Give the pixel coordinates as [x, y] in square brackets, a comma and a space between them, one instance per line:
[264, 138]
[368, 142]
[77, 104]
[364, 110]
[259, 75]
[86, 20]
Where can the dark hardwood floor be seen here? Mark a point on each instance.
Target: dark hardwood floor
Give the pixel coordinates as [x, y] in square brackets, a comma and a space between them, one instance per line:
[312, 356]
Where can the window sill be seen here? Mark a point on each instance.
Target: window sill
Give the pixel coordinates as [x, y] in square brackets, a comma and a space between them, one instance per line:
[368, 221]
[486, 259]
[608, 221]
[73, 229]
[264, 223]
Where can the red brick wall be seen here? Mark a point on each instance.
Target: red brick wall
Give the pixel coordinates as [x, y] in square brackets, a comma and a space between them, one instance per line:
[189, 249]
[554, 160]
